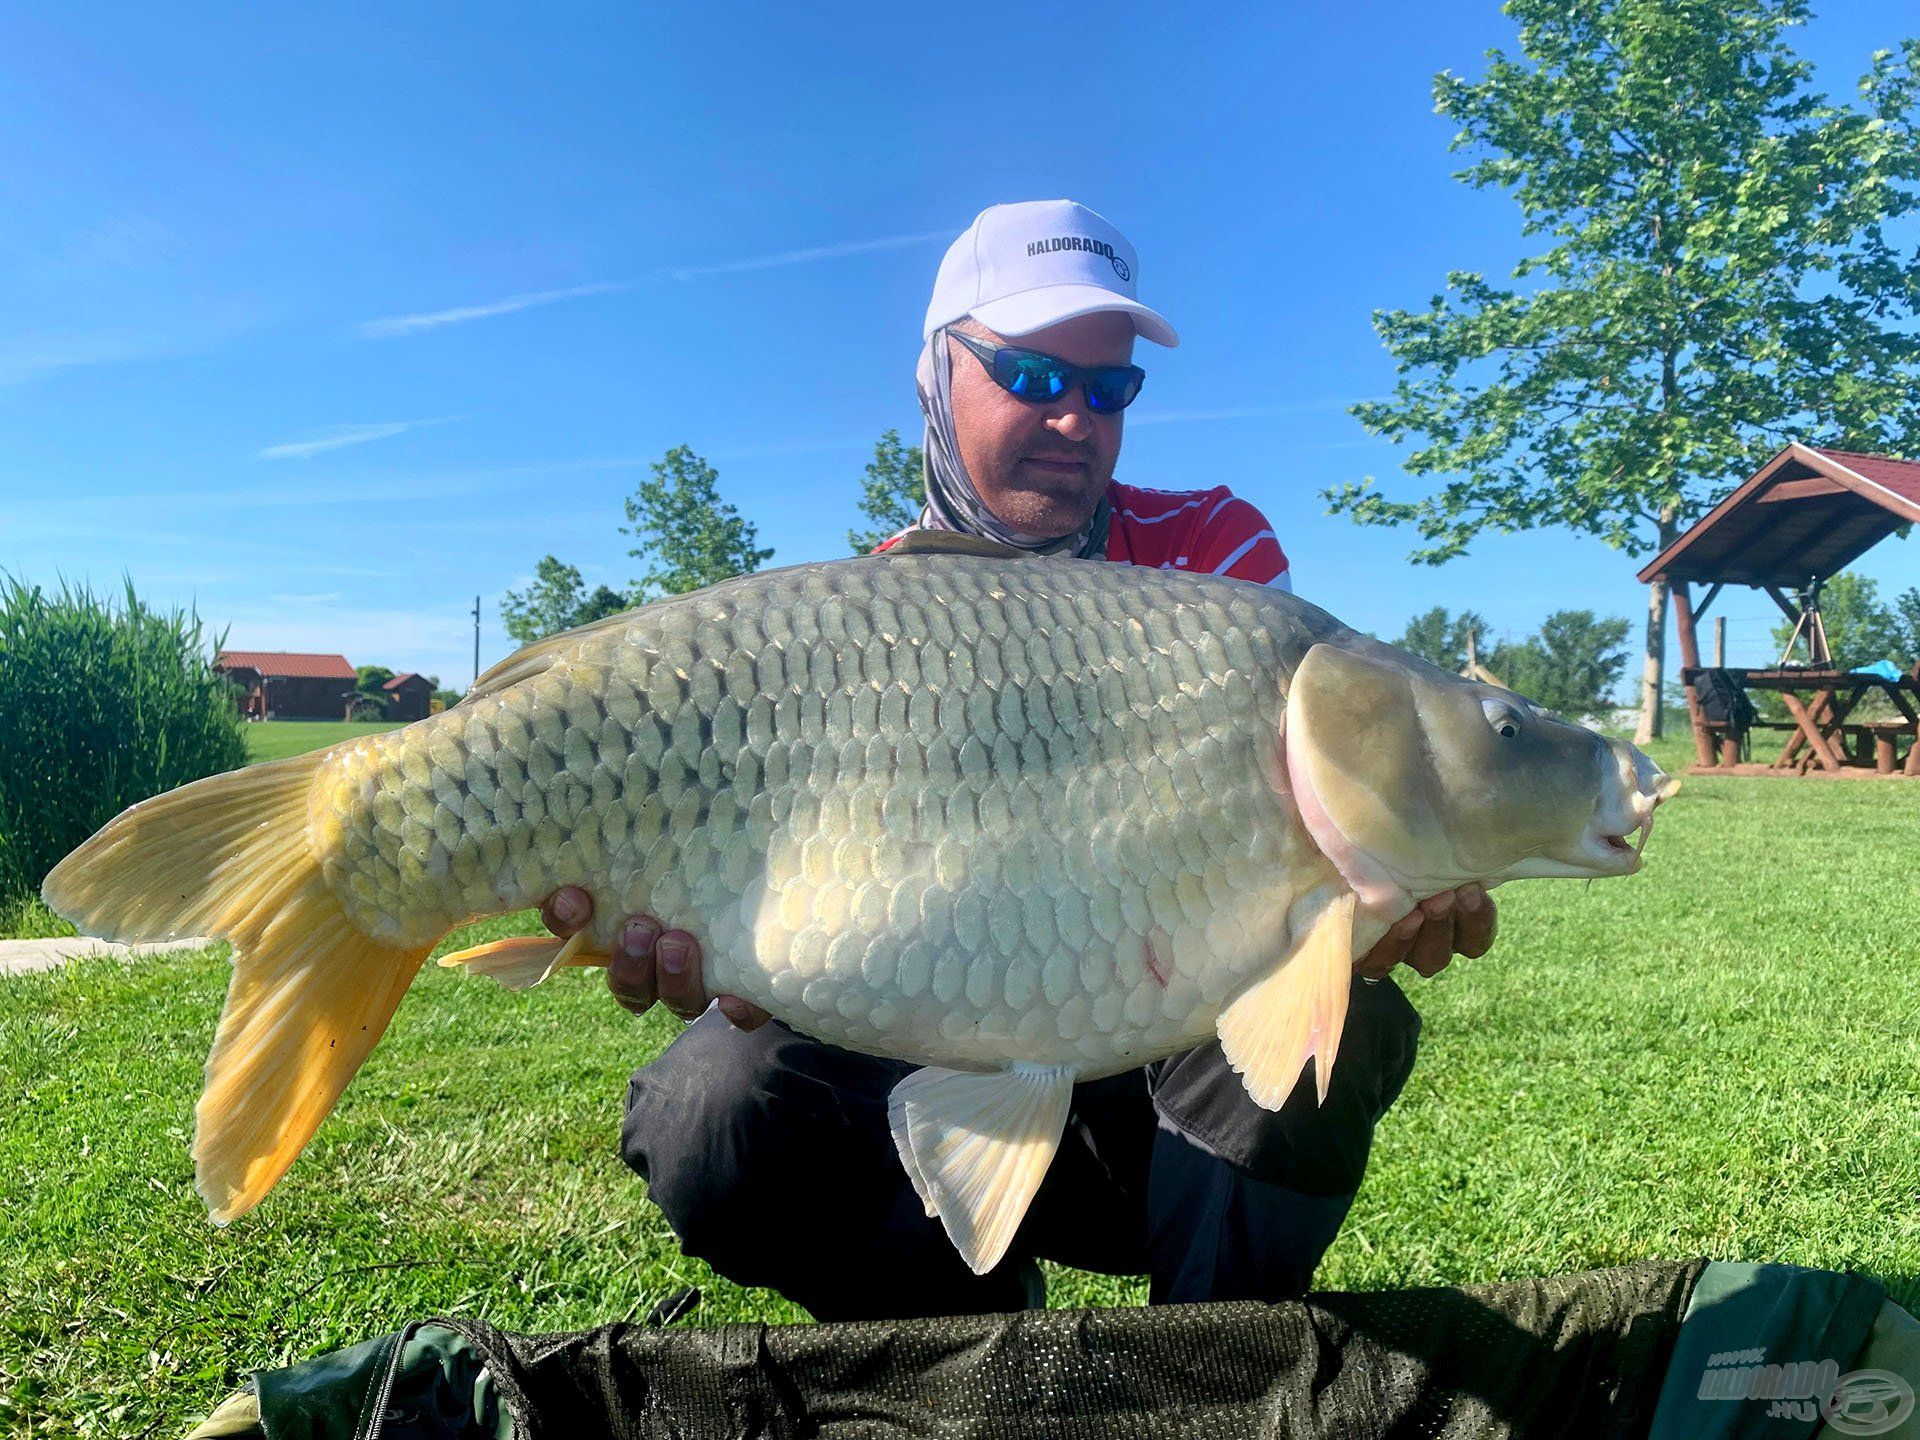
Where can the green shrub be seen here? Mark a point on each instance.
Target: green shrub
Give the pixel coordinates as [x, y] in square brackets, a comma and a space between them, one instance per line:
[102, 703]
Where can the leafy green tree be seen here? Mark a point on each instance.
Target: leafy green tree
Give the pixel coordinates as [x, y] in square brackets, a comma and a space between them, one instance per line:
[604, 601]
[1720, 273]
[1440, 638]
[1906, 627]
[1860, 628]
[556, 600]
[892, 492]
[692, 537]
[1573, 665]
[370, 681]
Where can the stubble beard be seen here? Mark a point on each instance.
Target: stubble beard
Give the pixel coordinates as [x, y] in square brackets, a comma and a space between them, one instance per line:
[1046, 505]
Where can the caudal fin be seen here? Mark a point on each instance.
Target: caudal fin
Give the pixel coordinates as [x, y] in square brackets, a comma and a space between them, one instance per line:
[229, 857]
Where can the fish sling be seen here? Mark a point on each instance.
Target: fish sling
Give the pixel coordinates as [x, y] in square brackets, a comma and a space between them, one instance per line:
[1021, 822]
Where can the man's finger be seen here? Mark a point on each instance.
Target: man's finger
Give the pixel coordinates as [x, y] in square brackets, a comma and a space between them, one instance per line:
[747, 1017]
[568, 910]
[630, 971]
[1433, 946]
[1392, 948]
[676, 971]
[1475, 922]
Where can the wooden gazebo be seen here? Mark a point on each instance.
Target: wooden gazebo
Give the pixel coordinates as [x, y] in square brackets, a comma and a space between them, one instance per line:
[1807, 515]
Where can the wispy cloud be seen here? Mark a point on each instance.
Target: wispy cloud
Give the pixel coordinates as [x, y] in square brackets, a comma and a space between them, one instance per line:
[392, 326]
[339, 437]
[30, 358]
[795, 257]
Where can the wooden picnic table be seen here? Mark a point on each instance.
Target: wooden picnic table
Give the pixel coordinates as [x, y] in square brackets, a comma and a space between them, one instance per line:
[1821, 721]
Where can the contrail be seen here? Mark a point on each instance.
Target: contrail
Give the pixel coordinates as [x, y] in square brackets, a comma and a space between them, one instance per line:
[397, 325]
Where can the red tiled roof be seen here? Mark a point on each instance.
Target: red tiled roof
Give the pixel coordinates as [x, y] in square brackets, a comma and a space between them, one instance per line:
[1900, 476]
[397, 681]
[288, 665]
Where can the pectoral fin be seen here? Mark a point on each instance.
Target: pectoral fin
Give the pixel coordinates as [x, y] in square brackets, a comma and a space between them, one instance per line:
[1296, 1012]
[524, 961]
[977, 1146]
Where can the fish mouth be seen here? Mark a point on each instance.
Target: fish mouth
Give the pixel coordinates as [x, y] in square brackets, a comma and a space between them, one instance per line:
[1620, 845]
[1640, 788]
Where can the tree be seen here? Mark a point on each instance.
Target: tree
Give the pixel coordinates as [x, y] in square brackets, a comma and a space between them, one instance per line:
[368, 699]
[604, 601]
[370, 680]
[892, 493]
[1860, 629]
[1720, 278]
[1572, 665]
[1906, 627]
[690, 535]
[1441, 639]
[556, 600]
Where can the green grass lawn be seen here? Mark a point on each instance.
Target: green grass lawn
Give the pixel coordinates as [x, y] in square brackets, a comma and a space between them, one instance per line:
[277, 739]
[1719, 1057]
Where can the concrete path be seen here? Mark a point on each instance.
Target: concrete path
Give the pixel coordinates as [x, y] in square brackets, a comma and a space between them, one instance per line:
[22, 957]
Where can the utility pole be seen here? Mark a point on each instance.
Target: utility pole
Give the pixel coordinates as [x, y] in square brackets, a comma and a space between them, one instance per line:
[476, 640]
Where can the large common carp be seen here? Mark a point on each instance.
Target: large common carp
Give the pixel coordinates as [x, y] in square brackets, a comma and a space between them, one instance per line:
[1019, 821]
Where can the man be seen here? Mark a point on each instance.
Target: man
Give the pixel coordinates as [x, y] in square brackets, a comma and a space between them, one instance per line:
[770, 1152]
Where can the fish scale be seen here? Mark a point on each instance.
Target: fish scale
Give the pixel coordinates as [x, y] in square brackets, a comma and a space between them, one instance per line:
[843, 821]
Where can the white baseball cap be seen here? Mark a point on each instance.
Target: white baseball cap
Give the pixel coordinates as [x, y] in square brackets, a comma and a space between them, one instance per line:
[1020, 268]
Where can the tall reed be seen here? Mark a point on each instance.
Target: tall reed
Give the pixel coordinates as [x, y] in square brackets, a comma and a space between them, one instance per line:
[102, 703]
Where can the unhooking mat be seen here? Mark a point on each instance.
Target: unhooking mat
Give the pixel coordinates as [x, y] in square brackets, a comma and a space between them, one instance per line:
[1661, 1350]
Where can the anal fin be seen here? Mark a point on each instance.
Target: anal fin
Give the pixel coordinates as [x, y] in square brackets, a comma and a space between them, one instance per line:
[1295, 1012]
[523, 961]
[977, 1146]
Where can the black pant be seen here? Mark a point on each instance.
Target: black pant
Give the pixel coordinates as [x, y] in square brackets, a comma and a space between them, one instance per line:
[770, 1154]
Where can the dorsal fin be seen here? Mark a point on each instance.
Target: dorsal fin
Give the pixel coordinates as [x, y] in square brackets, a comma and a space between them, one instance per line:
[535, 658]
[950, 542]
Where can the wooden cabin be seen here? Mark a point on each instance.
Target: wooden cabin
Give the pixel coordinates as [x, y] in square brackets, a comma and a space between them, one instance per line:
[287, 685]
[409, 697]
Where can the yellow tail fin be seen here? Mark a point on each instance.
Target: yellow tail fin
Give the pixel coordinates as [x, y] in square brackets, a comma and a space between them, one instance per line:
[229, 857]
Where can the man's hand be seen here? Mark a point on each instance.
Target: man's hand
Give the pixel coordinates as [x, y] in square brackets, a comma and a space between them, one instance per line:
[648, 963]
[1454, 922]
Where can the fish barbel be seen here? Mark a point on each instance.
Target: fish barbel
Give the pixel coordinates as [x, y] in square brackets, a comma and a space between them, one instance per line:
[1018, 821]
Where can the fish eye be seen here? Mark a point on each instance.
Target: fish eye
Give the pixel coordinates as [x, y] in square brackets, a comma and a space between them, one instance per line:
[1504, 719]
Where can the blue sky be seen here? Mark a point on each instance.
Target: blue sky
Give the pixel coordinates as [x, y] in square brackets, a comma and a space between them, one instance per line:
[328, 319]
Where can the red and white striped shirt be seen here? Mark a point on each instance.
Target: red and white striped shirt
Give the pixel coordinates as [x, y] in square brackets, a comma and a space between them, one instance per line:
[1211, 532]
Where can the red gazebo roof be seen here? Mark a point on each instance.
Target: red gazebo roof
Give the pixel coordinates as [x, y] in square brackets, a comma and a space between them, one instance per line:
[1809, 513]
